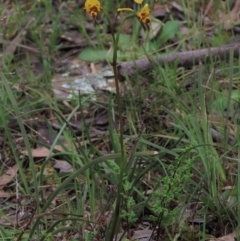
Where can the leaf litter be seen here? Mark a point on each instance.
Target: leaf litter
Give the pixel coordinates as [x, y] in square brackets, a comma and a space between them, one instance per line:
[71, 77]
[8, 176]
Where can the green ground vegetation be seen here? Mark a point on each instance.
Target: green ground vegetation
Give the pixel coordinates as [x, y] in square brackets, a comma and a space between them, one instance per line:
[176, 159]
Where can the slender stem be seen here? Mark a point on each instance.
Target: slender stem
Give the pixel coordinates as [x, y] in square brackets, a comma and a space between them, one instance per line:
[116, 215]
[118, 92]
[122, 165]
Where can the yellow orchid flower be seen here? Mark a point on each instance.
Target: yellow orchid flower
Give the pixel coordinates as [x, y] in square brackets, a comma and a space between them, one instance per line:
[143, 14]
[138, 1]
[93, 7]
[125, 10]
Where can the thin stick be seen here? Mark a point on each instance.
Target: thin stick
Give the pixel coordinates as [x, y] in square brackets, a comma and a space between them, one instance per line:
[186, 59]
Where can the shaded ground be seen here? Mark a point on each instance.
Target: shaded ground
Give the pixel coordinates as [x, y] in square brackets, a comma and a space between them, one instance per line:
[59, 114]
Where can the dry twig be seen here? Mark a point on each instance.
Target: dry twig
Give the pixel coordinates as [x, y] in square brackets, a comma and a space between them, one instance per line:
[186, 59]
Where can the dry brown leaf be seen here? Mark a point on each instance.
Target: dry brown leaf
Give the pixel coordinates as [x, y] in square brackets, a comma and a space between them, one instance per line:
[63, 166]
[13, 45]
[4, 194]
[229, 237]
[11, 217]
[42, 151]
[8, 175]
[73, 37]
[232, 18]
[45, 136]
[141, 235]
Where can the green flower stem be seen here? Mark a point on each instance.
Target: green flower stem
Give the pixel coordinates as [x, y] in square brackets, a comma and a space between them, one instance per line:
[116, 215]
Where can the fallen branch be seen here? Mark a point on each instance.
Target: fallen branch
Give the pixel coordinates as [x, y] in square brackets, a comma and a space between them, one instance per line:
[186, 59]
